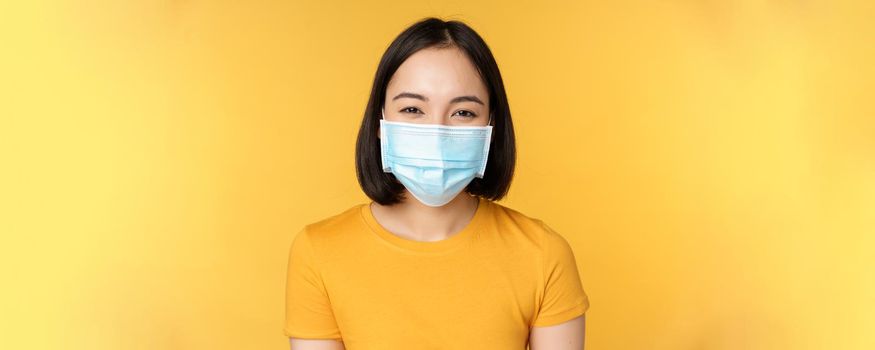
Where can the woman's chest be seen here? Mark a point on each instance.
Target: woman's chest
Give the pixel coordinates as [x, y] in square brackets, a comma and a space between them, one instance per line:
[481, 300]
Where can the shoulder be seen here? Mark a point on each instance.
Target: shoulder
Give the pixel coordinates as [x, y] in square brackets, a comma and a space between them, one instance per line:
[331, 227]
[336, 221]
[539, 232]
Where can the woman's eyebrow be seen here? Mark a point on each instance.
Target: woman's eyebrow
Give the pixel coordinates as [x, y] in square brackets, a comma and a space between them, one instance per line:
[468, 98]
[410, 95]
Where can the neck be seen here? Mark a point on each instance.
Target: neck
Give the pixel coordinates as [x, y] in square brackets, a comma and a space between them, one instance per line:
[413, 220]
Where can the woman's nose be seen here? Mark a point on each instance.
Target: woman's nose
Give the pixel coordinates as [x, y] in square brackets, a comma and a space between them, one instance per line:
[440, 117]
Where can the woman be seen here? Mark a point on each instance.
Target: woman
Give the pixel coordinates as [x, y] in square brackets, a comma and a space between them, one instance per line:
[433, 262]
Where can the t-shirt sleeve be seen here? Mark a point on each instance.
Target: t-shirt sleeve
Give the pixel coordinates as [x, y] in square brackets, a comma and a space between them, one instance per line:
[563, 294]
[308, 311]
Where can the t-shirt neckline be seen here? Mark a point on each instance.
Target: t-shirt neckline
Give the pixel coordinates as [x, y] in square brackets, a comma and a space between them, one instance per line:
[453, 242]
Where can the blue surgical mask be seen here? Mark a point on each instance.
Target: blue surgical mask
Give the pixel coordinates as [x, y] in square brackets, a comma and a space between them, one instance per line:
[434, 162]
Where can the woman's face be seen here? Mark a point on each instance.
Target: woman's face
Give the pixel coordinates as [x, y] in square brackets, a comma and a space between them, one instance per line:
[437, 86]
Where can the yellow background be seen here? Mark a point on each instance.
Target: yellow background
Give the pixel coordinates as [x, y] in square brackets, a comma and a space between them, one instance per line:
[711, 162]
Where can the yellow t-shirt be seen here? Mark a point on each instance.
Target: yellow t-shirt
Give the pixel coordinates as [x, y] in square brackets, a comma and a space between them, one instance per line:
[482, 288]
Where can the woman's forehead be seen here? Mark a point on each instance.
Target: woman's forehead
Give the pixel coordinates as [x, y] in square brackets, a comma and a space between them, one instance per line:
[437, 73]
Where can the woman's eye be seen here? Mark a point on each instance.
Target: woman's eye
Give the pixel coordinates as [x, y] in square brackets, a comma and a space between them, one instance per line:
[467, 114]
[410, 110]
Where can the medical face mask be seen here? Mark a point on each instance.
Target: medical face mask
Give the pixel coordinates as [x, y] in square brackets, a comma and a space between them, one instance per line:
[434, 162]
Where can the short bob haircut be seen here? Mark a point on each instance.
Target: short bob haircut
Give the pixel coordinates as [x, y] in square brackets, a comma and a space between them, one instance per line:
[429, 32]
